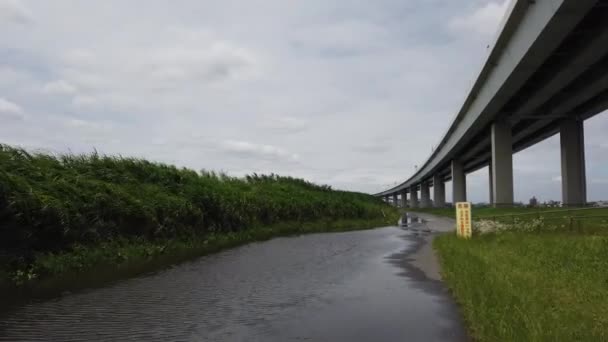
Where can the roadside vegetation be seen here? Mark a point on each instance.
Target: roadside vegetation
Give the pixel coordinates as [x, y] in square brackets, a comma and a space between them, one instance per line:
[533, 277]
[518, 286]
[70, 212]
[491, 212]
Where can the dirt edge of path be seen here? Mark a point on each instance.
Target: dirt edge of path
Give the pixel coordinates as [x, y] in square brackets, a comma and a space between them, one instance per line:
[424, 257]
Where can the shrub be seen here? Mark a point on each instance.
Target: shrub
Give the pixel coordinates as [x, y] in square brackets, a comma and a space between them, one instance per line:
[53, 203]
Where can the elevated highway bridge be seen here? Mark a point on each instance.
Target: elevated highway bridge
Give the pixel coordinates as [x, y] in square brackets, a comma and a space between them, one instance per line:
[546, 73]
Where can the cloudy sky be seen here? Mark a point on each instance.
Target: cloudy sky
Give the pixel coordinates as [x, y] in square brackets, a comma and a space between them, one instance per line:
[348, 93]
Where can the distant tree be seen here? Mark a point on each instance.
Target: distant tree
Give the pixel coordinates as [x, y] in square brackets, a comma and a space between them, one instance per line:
[533, 202]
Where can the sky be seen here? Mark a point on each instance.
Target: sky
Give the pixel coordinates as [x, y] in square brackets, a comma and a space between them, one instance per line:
[353, 94]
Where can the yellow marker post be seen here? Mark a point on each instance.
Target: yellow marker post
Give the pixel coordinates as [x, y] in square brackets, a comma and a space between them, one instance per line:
[463, 220]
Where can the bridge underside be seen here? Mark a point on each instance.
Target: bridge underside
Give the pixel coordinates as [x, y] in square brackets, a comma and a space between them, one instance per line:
[571, 83]
[557, 81]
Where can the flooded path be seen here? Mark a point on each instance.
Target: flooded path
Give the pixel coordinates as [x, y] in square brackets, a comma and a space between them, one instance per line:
[354, 286]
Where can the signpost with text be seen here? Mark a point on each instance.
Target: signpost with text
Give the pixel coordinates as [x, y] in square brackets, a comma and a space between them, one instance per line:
[463, 220]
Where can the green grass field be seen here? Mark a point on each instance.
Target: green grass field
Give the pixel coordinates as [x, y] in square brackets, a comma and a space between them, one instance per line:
[489, 212]
[563, 219]
[520, 284]
[515, 286]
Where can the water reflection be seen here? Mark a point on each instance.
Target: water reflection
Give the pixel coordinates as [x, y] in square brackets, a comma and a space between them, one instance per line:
[413, 222]
[316, 287]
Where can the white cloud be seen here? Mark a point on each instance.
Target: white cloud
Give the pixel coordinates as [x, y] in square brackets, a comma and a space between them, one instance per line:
[483, 21]
[210, 61]
[79, 123]
[373, 148]
[10, 110]
[248, 149]
[14, 11]
[286, 124]
[59, 87]
[182, 57]
[186, 85]
[12, 78]
[85, 102]
[79, 57]
[173, 72]
[556, 179]
[349, 37]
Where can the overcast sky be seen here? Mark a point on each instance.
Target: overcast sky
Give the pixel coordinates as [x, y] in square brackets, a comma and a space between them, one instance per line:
[348, 93]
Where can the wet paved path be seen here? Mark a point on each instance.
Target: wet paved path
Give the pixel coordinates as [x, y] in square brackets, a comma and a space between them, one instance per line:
[355, 286]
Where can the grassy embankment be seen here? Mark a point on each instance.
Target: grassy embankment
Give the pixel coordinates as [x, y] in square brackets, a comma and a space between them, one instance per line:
[535, 280]
[66, 214]
[504, 214]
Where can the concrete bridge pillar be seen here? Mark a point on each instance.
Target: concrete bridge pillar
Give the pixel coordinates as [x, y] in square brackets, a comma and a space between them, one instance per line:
[403, 198]
[459, 182]
[491, 184]
[425, 195]
[413, 197]
[574, 180]
[386, 199]
[502, 164]
[395, 200]
[438, 191]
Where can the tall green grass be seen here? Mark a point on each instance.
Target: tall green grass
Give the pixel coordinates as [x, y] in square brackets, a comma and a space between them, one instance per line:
[520, 286]
[50, 204]
[535, 276]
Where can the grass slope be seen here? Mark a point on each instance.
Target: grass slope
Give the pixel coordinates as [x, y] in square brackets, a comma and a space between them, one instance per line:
[540, 278]
[74, 205]
[516, 286]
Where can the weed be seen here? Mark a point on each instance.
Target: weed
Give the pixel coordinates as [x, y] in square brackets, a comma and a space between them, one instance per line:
[54, 207]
